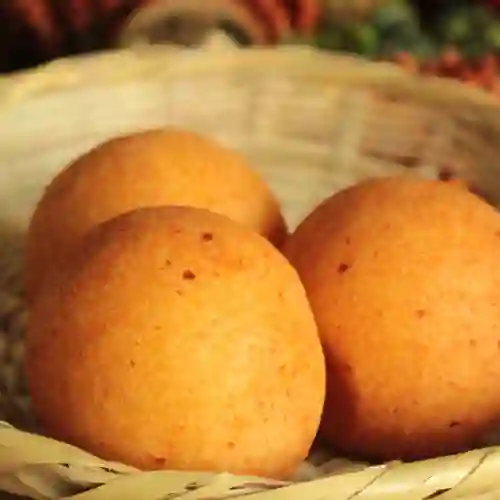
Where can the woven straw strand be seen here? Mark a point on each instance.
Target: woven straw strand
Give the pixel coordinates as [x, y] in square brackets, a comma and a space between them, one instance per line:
[461, 476]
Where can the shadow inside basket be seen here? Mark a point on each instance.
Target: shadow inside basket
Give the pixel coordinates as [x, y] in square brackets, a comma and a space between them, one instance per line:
[14, 401]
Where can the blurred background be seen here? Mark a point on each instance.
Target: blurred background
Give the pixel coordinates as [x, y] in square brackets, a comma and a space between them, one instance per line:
[449, 38]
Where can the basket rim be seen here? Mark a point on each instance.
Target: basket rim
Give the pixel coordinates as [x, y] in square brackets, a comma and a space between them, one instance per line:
[302, 63]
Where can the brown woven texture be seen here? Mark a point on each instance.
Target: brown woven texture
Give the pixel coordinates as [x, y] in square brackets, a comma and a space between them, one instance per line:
[312, 123]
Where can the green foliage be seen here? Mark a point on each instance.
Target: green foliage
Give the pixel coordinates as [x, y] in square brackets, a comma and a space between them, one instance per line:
[492, 36]
[396, 27]
[361, 39]
[394, 17]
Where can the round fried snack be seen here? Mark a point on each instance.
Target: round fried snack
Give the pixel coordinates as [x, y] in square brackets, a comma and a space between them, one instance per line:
[176, 338]
[150, 168]
[403, 278]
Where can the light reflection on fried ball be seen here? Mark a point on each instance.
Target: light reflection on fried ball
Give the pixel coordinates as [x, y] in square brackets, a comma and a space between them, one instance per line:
[177, 338]
[149, 168]
[403, 277]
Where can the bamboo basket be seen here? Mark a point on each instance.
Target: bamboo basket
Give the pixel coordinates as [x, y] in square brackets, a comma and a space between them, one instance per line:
[312, 123]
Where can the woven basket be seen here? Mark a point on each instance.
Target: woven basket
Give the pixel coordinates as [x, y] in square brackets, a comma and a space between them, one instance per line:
[312, 123]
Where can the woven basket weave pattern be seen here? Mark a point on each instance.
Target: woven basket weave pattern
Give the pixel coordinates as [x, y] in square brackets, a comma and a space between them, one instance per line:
[311, 124]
